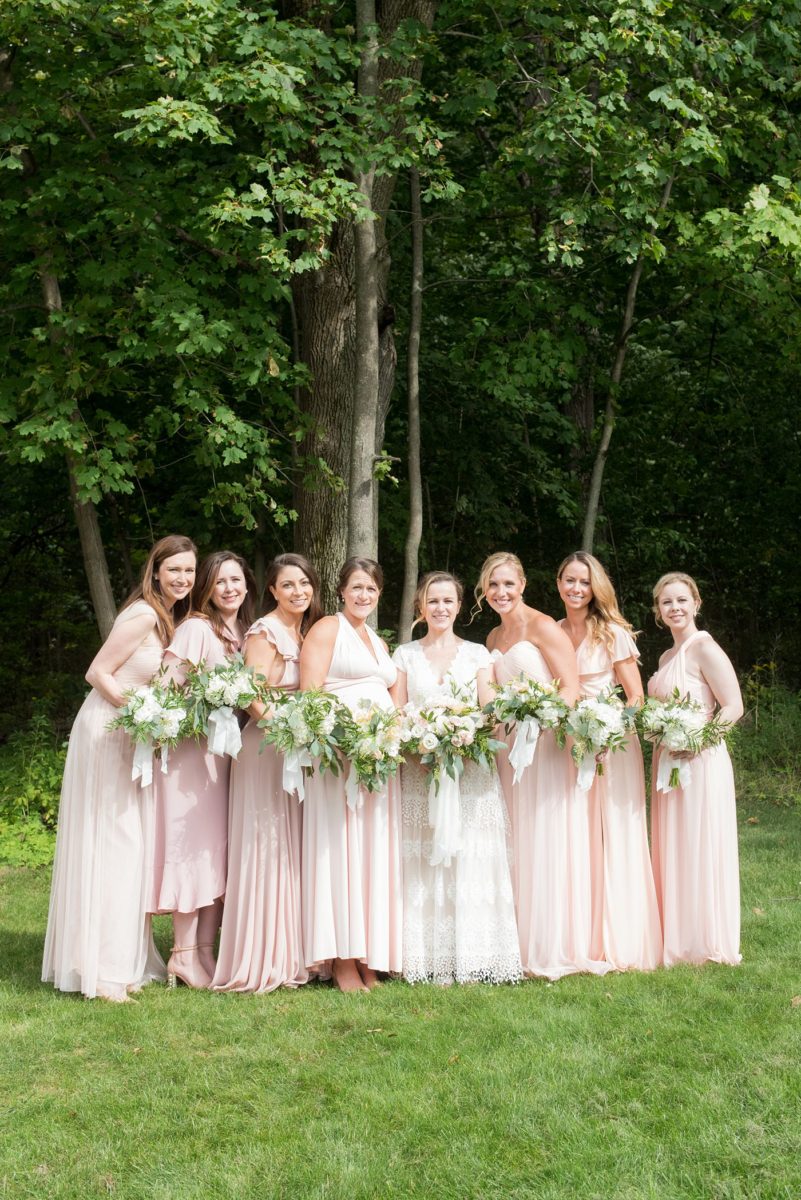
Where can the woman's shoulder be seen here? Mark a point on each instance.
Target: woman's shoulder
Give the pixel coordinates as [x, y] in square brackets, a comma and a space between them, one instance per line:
[139, 610]
[324, 629]
[623, 643]
[193, 638]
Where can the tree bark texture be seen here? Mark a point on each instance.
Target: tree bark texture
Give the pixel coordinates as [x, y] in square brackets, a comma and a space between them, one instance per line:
[411, 554]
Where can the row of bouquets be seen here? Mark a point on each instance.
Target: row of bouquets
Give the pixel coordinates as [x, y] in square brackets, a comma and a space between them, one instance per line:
[314, 729]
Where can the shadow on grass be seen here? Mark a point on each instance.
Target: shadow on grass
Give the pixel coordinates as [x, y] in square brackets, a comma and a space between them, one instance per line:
[21, 956]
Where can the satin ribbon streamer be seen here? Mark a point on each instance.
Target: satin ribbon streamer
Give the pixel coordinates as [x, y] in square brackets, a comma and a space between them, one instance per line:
[353, 791]
[586, 772]
[294, 762]
[522, 753]
[224, 733]
[445, 818]
[668, 763]
[143, 763]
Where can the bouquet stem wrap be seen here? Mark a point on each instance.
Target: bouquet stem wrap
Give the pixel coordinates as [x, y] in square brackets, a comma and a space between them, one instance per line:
[586, 772]
[672, 773]
[294, 762]
[445, 818]
[522, 753]
[143, 763]
[224, 733]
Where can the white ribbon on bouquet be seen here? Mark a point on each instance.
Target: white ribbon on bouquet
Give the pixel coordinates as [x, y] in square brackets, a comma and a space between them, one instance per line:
[522, 753]
[225, 736]
[445, 818]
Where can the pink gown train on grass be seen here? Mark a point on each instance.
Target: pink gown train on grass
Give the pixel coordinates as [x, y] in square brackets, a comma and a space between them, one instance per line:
[98, 933]
[550, 845]
[694, 839]
[189, 864]
[626, 929]
[261, 942]
[351, 862]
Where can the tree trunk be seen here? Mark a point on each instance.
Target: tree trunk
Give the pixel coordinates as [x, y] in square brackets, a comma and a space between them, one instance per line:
[411, 554]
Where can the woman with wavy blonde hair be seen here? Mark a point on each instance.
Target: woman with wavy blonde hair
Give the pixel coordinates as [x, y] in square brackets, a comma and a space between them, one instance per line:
[626, 928]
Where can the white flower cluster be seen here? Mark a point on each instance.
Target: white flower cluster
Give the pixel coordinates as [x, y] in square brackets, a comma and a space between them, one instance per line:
[677, 725]
[152, 713]
[230, 689]
[523, 698]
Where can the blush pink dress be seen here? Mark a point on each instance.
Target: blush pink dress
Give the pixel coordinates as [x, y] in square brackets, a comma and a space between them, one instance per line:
[626, 926]
[352, 892]
[694, 838]
[98, 937]
[189, 864]
[550, 845]
[261, 943]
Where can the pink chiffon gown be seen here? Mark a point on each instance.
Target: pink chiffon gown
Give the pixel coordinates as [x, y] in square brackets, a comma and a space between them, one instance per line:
[626, 928]
[550, 845]
[189, 864]
[98, 937]
[352, 896]
[694, 838]
[459, 921]
[261, 942]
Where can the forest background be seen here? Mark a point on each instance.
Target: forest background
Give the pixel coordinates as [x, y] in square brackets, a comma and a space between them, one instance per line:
[419, 279]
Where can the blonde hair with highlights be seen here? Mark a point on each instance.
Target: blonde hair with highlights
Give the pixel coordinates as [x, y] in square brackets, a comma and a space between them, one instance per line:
[603, 611]
[424, 585]
[487, 567]
[675, 577]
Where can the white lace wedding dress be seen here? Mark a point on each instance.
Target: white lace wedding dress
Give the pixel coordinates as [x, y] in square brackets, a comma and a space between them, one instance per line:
[458, 921]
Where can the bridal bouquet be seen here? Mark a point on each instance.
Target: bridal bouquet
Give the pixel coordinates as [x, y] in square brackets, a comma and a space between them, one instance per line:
[304, 726]
[444, 732]
[371, 739]
[677, 724]
[596, 724]
[154, 717]
[212, 696]
[532, 707]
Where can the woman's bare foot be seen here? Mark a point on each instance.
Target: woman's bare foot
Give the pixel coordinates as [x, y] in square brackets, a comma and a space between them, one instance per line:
[345, 975]
[368, 976]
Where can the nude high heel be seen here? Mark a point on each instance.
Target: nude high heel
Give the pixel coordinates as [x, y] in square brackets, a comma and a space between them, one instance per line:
[174, 974]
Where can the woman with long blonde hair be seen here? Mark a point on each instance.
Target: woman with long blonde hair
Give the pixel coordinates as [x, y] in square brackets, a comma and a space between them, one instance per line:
[626, 926]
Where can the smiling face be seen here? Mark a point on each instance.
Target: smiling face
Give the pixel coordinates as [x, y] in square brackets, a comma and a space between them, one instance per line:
[677, 607]
[292, 591]
[230, 588]
[360, 595]
[505, 588]
[175, 577]
[575, 586]
[440, 606]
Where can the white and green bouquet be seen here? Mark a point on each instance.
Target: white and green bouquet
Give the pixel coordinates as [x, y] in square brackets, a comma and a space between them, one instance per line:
[304, 726]
[597, 724]
[155, 718]
[213, 696]
[677, 725]
[371, 738]
[530, 707]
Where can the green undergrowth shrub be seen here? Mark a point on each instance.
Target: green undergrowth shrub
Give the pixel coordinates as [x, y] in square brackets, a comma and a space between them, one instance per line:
[766, 745]
[31, 766]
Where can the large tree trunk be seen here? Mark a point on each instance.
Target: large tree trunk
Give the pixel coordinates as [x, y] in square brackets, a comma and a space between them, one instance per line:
[411, 554]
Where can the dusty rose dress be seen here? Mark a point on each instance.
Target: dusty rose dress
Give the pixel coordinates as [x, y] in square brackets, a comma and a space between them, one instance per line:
[261, 943]
[189, 864]
[98, 932]
[626, 926]
[550, 845]
[351, 862]
[694, 839]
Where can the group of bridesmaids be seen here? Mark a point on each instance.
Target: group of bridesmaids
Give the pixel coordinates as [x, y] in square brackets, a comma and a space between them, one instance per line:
[547, 879]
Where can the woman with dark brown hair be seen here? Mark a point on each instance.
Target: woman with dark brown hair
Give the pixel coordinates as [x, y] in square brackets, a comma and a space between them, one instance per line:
[261, 943]
[98, 933]
[192, 798]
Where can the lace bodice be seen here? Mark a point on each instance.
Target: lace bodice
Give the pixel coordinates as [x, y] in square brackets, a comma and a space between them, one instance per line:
[355, 674]
[677, 672]
[279, 636]
[421, 679]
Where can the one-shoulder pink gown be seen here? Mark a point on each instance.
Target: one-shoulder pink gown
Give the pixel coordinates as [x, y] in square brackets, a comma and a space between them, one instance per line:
[550, 845]
[694, 839]
[351, 863]
[98, 937]
[625, 916]
[261, 942]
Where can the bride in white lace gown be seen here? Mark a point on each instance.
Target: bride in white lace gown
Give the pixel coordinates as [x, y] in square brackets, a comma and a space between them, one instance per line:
[458, 919]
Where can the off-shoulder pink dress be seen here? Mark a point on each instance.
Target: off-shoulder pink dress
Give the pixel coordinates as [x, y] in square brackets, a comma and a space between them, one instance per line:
[98, 937]
[626, 926]
[550, 845]
[351, 863]
[261, 943]
[694, 838]
[189, 865]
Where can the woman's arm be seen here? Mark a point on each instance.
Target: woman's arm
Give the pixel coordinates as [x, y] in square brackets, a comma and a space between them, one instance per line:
[558, 652]
[627, 673]
[716, 668]
[485, 679]
[400, 690]
[317, 652]
[260, 654]
[118, 647]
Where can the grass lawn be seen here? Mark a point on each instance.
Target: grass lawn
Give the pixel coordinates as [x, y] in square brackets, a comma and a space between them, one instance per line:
[684, 1083]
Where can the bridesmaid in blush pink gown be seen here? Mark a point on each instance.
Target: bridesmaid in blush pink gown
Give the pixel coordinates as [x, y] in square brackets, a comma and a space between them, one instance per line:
[694, 827]
[98, 939]
[190, 861]
[626, 927]
[549, 816]
[351, 871]
[261, 943]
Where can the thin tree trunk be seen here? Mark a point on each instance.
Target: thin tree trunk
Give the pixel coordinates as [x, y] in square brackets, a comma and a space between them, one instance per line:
[610, 411]
[411, 559]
